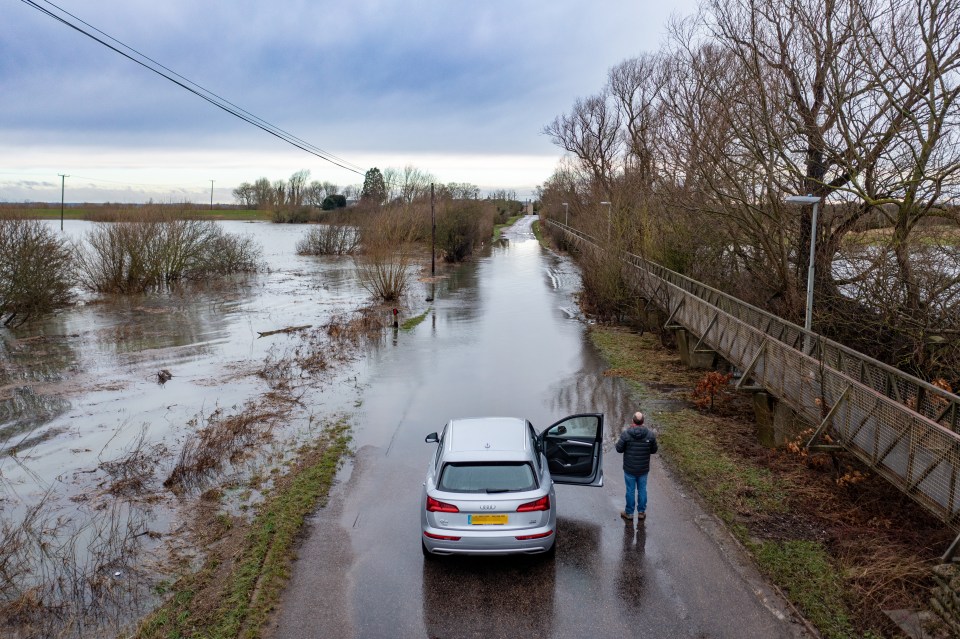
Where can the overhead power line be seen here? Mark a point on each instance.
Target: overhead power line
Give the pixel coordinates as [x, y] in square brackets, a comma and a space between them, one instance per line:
[61, 15]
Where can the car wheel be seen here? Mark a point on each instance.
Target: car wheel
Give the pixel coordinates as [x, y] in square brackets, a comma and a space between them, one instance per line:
[550, 554]
[429, 556]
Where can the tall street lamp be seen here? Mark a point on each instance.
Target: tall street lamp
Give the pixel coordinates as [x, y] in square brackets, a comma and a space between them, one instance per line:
[609, 220]
[566, 214]
[815, 200]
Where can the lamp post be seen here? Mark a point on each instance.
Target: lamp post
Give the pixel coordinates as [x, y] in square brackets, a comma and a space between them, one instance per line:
[815, 200]
[566, 214]
[609, 220]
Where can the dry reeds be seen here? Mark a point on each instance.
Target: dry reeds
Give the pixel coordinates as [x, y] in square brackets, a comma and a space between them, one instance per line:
[222, 440]
[63, 579]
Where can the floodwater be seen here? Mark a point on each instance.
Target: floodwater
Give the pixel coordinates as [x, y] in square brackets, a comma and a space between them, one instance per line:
[80, 387]
[508, 342]
[80, 396]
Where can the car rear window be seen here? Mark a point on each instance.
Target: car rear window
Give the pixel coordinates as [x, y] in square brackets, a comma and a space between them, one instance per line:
[499, 477]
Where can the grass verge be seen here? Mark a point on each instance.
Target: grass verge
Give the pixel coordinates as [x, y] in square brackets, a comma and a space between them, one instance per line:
[538, 233]
[413, 322]
[839, 541]
[249, 562]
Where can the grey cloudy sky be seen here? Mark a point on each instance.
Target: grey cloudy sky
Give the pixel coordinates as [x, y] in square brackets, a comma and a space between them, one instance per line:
[460, 89]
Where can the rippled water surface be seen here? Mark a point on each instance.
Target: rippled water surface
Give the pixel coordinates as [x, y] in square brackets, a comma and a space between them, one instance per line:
[80, 387]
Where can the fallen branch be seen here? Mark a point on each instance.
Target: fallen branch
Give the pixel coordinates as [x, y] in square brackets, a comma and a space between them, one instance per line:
[289, 329]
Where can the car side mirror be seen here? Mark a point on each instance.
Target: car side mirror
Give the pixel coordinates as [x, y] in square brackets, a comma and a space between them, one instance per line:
[561, 430]
[432, 438]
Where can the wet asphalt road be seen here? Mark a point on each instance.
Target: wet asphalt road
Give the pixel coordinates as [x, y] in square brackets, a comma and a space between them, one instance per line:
[502, 341]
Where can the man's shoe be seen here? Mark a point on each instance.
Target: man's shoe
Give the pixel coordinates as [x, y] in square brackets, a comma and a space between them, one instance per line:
[626, 517]
[641, 515]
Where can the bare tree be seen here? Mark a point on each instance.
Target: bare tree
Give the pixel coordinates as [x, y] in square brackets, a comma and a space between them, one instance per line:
[296, 187]
[591, 132]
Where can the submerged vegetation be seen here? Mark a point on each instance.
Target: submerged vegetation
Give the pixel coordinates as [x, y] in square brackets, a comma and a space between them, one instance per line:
[133, 257]
[242, 578]
[35, 270]
[329, 239]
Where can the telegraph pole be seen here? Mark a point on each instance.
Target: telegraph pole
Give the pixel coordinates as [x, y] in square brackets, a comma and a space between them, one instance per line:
[62, 181]
[211, 195]
[433, 245]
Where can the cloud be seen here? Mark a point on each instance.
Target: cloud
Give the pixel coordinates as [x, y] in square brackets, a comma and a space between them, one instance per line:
[366, 77]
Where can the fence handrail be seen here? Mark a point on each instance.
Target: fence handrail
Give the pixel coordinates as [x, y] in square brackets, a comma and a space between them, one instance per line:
[951, 411]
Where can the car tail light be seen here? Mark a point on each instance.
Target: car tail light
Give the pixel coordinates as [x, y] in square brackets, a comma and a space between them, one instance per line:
[435, 506]
[441, 537]
[537, 536]
[541, 504]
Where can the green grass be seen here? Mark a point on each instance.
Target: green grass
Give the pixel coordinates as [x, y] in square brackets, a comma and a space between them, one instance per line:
[806, 573]
[413, 322]
[538, 232]
[238, 606]
[734, 487]
[725, 482]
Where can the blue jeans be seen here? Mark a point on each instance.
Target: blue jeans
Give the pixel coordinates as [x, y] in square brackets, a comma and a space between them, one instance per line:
[638, 484]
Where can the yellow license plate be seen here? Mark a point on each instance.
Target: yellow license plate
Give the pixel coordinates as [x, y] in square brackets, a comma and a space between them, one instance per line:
[478, 520]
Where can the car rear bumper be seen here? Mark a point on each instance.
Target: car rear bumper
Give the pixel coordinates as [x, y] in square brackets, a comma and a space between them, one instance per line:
[489, 542]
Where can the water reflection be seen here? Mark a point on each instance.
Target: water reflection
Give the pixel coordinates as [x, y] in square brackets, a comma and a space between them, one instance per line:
[631, 577]
[578, 548]
[488, 597]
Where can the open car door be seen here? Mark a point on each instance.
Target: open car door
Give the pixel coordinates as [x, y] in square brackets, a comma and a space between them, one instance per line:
[574, 449]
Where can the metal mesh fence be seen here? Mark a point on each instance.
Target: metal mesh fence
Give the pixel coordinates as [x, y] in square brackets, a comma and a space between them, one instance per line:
[901, 426]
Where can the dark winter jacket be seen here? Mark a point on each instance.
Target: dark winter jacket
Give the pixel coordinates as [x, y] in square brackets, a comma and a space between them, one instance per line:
[637, 444]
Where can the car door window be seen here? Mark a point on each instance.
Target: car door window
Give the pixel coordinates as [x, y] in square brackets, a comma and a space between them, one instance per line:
[573, 449]
[581, 427]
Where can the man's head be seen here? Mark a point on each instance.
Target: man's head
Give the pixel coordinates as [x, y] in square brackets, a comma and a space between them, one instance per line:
[638, 418]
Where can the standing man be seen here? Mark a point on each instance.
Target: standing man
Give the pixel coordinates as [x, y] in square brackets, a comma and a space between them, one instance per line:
[636, 443]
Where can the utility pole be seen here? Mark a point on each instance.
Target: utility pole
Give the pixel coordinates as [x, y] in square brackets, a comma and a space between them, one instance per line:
[433, 244]
[211, 195]
[62, 181]
[433, 234]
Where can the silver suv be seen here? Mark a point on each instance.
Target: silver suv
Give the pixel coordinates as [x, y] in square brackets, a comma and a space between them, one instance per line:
[489, 488]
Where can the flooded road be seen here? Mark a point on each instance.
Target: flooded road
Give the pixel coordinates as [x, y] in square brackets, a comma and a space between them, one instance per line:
[504, 339]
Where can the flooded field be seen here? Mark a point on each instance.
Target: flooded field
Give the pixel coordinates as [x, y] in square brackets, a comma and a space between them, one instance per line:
[99, 402]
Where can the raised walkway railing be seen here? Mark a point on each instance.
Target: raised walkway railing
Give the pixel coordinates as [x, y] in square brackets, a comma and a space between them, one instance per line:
[903, 427]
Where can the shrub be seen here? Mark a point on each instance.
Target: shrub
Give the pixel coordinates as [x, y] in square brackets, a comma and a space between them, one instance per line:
[329, 239]
[462, 225]
[35, 266]
[385, 275]
[384, 266]
[300, 215]
[227, 253]
[135, 256]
